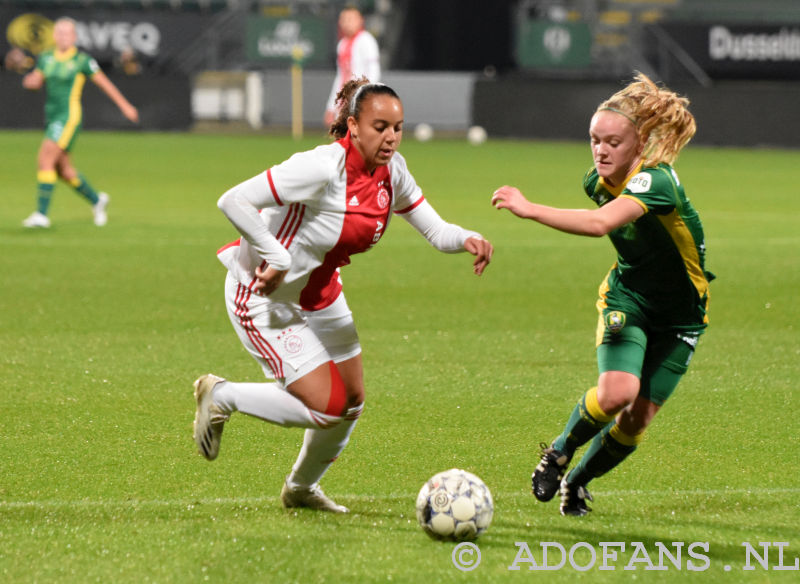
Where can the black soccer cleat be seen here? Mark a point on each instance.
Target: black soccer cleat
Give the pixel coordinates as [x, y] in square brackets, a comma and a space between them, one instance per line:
[549, 472]
[573, 499]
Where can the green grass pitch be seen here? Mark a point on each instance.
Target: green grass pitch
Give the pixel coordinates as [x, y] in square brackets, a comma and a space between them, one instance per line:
[102, 332]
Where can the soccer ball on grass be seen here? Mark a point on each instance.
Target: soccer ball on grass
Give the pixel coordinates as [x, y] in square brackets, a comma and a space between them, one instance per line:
[454, 505]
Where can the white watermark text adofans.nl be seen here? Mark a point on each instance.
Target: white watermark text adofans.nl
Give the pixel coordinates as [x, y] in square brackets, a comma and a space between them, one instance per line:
[676, 555]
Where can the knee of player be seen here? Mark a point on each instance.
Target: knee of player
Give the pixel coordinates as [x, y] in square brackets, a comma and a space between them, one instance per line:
[614, 400]
[355, 396]
[345, 395]
[617, 390]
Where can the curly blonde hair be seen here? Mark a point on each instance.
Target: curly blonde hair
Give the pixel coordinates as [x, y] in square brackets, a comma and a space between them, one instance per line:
[661, 117]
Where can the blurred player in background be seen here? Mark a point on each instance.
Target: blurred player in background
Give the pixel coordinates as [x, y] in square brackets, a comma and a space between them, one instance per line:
[357, 56]
[652, 303]
[300, 221]
[64, 70]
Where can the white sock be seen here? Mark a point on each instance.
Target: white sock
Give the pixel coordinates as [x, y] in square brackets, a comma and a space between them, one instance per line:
[269, 402]
[321, 448]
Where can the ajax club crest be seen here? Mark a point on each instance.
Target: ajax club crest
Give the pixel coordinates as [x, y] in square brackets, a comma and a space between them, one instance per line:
[383, 196]
[293, 344]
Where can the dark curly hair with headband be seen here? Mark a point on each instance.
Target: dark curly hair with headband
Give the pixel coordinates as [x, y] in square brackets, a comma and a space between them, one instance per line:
[349, 100]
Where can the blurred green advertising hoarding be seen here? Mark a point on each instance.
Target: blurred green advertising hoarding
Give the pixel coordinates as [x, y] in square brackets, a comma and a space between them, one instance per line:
[271, 41]
[547, 44]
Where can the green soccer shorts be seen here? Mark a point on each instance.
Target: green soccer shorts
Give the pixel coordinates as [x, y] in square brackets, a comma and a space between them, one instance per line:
[62, 133]
[658, 357]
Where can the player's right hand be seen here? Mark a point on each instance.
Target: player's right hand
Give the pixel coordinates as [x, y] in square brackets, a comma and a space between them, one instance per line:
[33, 80]
[511, 198]
[268, 280]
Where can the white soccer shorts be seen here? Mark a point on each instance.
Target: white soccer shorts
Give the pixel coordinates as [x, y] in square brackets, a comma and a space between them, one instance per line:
[286, 341]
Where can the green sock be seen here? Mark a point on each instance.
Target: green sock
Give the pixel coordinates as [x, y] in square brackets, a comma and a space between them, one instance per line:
[606, 451]
[45, 183]
[43, 193]
[586, 420]
[82, 186]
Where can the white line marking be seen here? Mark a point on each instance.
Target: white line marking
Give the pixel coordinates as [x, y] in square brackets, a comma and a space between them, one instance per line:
[254, 501]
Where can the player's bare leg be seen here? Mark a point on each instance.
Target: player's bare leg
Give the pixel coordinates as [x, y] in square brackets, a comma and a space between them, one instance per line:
[98, 200]
[46, 175]
[322, 447]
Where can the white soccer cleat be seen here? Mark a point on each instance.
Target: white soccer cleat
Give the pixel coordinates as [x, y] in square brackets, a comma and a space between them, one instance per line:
[310, 497]
[36, 219]
[209, 421]
[99, 209]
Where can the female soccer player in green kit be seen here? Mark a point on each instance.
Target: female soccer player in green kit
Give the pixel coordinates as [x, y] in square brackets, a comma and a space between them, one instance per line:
[652, 303]
[64, 70]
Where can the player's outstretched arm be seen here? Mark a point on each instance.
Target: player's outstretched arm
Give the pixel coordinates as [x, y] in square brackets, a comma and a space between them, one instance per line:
[103, 82]
[593, 223]
[448, 237]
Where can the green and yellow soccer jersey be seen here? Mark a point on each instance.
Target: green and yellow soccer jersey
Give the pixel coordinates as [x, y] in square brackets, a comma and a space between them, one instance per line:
[65, 75]
[661, 255]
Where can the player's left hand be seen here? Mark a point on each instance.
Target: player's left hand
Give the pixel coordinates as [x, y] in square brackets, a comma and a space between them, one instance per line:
[482, 250]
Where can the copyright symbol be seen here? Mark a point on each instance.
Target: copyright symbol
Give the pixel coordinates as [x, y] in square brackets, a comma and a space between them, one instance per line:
[466, 556]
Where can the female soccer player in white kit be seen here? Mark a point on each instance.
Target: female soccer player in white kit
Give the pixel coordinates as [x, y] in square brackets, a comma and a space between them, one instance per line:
[300, 221]
[357, 55]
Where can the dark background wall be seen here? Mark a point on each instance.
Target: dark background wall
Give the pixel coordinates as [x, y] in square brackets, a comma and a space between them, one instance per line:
[456, 35]
[164, 103]
[744, 103]
[729, 113]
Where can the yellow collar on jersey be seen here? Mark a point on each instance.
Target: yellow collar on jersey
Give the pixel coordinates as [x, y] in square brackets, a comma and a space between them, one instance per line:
[617, 190]
[65, 55]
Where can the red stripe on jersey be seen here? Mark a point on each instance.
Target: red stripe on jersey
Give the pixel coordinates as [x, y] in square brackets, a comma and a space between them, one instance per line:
[291, 224]
[345, 58]
[368, 202]
[272, 187]
[410, 207]
[231, 244]
[285, 224]
[300, 212]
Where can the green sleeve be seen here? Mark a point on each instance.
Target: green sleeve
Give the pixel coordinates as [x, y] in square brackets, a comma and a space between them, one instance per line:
[89, 65]
[656, 188]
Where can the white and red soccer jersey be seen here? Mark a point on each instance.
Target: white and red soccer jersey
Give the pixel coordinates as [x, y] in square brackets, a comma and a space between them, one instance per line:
[317, 209]
[355, 57]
